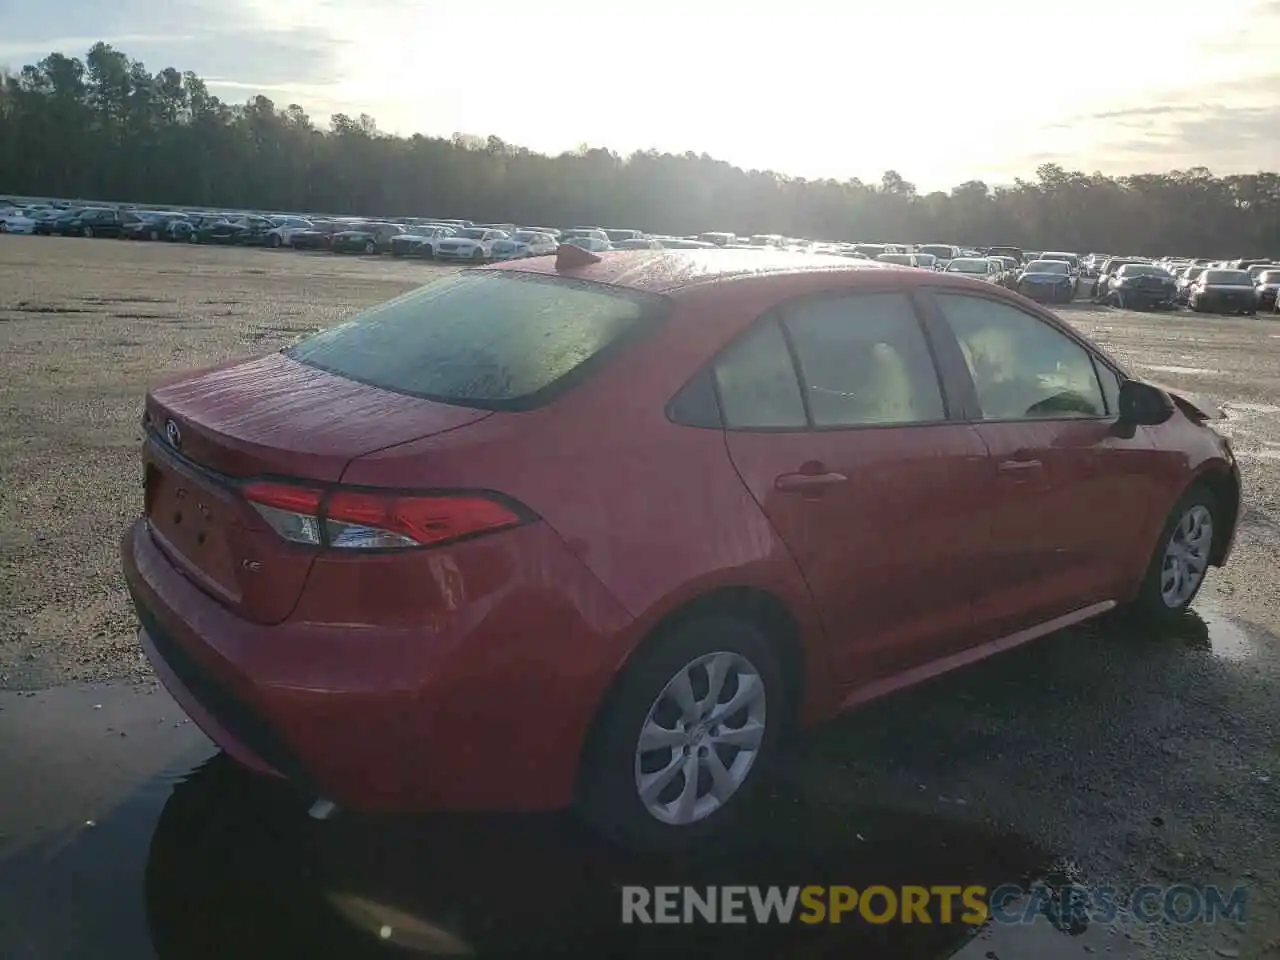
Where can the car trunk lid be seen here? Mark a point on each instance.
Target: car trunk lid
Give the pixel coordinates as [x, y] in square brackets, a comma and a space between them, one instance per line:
[210, 431]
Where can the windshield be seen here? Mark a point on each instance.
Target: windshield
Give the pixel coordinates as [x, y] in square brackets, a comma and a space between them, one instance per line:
[1070, 258]
[937, 250]
[472, 233]
[902, 258]
[1191, 273]
[1258, 269]
[1228, 278]
[1141, 270]
[480, 339]
[1047, 266]
[967, 265]
[1269, 276]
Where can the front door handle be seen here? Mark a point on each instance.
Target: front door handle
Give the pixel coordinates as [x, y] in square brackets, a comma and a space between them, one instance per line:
[1014, 466]
[808, 483]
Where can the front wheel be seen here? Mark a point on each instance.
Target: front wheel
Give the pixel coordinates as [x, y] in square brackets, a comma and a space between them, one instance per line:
[1181, 559]
[478, 255]
[370, 247]
[88, 232]
[685, 737]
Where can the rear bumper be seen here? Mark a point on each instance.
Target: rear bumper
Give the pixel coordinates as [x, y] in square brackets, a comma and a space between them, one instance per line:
[484, 708]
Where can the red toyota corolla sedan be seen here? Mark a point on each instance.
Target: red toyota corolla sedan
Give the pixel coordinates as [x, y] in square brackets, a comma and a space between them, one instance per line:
[598, 529]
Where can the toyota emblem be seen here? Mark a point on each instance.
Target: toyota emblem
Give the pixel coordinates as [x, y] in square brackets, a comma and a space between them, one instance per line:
[173, 434]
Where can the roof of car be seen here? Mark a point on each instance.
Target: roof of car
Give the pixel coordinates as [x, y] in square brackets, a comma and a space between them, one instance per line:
[666, 271]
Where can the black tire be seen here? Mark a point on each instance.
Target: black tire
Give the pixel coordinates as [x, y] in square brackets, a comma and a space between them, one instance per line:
[370, 248]
[427, 253]
[87, 232]
[608, 796]
[4, 227]
[1151, 605]
[275, 241]
[478, 256]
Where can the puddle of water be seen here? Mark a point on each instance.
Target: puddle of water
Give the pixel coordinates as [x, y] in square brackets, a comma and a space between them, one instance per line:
[1206, 629]
[183, 863]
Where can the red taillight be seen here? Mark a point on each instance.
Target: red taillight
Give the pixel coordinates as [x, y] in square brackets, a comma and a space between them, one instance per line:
[367, 520]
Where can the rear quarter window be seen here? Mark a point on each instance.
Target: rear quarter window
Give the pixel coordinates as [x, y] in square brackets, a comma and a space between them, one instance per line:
[487, 339]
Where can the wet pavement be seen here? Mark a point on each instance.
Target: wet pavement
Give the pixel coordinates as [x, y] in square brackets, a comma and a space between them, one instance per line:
[124, 835]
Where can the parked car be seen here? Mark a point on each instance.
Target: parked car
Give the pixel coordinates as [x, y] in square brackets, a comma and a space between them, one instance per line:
[901, 259]
[943, 253]
[319, 236]
[979, 268]
[473, 244]
[1073, 262]
[92, 222]
[648, 243]
[1016, 253]
[1139, 286]
[284, 229]
[1183, 279]
[1099, 288]
[55, 222]
[1223, 291]
[386, 591]
[420, 240]
[249, 230]
[17, 220]
[1046, 281]
[596, 245]
[1268, 282]
[523, 243]
[370, 238]
[615, 235]
[151, 225]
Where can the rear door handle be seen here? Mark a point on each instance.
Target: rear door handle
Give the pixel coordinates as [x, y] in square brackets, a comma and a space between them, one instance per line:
[1014, 466]
[811, 483]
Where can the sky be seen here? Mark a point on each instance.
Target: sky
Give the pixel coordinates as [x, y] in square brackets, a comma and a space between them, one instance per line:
[942, 91]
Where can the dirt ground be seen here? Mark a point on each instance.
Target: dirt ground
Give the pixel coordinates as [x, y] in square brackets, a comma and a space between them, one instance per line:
[1130, 758]
[84, 327]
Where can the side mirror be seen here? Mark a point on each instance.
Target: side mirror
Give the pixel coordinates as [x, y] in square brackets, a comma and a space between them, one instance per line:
[1144, 405]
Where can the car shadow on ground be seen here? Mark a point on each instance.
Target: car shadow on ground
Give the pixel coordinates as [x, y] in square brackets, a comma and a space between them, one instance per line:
[234, 870]
[228, 864]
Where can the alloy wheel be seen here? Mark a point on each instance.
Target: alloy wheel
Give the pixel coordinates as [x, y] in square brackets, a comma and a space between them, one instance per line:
[701, 738]
[1186, 556]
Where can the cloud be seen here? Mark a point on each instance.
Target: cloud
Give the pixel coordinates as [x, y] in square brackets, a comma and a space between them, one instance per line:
[224, 38]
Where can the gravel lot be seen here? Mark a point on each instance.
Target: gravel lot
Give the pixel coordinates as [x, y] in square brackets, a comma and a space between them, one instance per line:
[84, 327]
[1130, 758]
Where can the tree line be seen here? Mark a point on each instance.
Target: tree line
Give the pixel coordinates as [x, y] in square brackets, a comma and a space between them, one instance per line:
[104, 127]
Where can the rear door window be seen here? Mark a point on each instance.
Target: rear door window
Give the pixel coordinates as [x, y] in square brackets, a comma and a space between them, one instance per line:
[757, 384]
[864, 360]
[490, 339]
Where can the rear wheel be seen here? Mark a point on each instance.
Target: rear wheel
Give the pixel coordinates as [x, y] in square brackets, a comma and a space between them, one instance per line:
[1181, 558]
[87, 231]
[685, 738]
[275, 241]
[370, 247]
[478, 255]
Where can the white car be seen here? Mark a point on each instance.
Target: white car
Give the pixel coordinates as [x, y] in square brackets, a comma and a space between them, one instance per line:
[524, 243]
[593, 244]
[281, 235]
[16, 221]
[470, 243]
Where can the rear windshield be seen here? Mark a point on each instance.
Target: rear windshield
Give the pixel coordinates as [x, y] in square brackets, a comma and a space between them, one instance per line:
[1228, 278]
[1141, 270]
[943, 253]
[1048, 266]
[490, 339]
